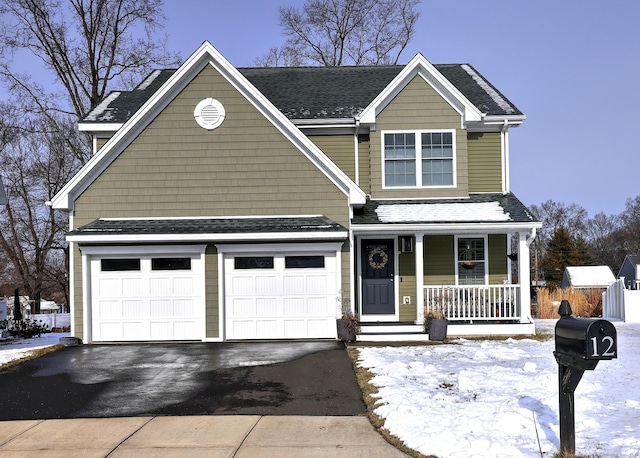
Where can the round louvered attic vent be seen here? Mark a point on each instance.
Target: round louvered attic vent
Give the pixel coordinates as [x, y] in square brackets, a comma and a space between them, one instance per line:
[209, 113]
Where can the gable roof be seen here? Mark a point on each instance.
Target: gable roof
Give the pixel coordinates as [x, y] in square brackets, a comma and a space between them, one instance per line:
[587, 277]
[173, 84]
[305, 93]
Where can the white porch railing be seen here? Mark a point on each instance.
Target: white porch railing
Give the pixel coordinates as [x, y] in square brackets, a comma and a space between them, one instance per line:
[474, 303]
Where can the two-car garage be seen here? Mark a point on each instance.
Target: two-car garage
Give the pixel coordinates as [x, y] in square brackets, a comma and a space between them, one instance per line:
[158, 293]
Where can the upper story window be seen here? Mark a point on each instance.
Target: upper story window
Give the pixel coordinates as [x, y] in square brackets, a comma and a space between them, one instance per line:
[419, 159]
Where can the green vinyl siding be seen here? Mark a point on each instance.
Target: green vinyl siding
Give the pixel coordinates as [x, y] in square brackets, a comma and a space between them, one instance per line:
[407, 287]
[364, 163]
[340, 149]
[485, 162]
[418, 107]
[439, 262]
[212, 317]
[498, 265]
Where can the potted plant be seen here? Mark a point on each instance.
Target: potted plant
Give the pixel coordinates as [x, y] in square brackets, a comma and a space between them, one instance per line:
[348, 327]
[435, 324]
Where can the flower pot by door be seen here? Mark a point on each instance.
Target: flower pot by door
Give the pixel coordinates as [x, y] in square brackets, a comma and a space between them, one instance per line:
[438, 330]
[344, 333]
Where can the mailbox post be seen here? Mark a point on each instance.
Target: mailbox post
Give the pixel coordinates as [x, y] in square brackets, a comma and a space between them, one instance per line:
[580, 344]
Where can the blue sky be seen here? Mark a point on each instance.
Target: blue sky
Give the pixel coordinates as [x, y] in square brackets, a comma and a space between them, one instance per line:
[571, 66]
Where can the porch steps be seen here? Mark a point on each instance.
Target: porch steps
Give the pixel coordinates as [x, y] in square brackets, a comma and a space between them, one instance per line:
[391, 332]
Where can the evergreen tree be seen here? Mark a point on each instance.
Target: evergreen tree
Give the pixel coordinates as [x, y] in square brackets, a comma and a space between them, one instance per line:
[561, 252]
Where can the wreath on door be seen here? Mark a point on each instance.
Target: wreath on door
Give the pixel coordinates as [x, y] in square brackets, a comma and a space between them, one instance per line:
[378, 258]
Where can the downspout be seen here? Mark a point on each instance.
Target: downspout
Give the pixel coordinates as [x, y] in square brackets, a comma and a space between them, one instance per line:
[506, 187]
[356, 150]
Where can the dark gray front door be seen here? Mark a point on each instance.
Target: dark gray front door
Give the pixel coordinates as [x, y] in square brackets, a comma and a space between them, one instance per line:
[378, 296]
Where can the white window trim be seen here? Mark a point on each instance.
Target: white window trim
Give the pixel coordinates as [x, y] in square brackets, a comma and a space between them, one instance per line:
[486, 256]
[418, 158]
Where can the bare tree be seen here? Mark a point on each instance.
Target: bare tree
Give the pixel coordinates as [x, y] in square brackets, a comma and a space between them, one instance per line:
[344, 32]
[85, 45]
[35, 168]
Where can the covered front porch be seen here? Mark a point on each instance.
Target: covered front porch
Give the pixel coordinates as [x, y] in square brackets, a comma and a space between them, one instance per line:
[464, 260]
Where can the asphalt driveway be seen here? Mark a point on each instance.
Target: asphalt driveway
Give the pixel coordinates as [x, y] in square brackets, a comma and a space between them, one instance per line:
[261, 378]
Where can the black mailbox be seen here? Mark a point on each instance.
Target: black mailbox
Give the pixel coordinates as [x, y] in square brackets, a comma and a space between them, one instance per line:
[580, 344]
[586, 339]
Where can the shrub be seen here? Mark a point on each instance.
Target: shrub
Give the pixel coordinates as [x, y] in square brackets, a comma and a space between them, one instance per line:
[25, 328]
[587, 303]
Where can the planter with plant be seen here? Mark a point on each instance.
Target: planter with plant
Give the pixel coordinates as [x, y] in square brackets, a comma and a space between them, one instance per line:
[435, 324]
[348, 327]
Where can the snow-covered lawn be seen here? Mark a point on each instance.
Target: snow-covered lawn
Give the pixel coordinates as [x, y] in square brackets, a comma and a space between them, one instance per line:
[500, 398]
[12, 349]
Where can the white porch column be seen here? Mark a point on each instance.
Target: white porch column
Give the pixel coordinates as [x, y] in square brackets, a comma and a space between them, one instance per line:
[419, 257]
[524, 277]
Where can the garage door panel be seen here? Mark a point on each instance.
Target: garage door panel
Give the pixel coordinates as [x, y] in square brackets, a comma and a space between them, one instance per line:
[266, 306]
[295, 329]
[318, 306]
[242, 285]
[317, 284]
[294, 284]
[294, 306]
[134, 309]
[242, 307]
[266, 285]
[108, 309]
[109, 287]
[135, 330]
[161, 307]
[132, 286]
[267, 329]
[319, 328]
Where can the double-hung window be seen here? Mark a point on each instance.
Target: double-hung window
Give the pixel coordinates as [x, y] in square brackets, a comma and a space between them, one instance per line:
[471, 261]
[419, 159]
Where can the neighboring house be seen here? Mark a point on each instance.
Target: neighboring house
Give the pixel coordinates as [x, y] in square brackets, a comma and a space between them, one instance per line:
[630, 271]
[587, 277]
[228, 203]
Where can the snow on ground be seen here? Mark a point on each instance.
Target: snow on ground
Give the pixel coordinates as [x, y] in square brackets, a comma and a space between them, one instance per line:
[12, 349]
[500, 398]
[488, 398]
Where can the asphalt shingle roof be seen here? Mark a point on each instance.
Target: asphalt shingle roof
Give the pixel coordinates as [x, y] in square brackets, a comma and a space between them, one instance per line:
[317, 92]
[311, 224]
[478, 208]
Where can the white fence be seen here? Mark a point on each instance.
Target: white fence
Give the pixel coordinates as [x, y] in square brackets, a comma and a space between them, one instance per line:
[53, 320]
[621, 303]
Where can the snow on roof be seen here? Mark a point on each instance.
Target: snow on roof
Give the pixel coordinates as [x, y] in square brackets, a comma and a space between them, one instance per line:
[97, 111]
[497, 98]
[145, 84]
[588, 276]
[479, 211]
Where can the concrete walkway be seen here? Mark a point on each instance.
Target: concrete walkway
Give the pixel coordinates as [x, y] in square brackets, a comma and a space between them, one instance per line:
[211, 436]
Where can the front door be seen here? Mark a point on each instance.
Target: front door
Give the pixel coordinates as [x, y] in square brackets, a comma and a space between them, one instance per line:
[378, 293]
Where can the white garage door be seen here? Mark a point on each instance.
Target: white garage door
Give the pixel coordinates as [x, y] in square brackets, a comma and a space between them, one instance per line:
[146, 298]
[280, 295]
